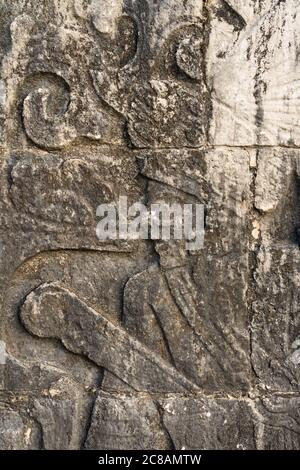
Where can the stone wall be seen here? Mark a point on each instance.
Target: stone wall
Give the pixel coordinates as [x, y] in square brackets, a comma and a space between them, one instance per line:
[137, 344]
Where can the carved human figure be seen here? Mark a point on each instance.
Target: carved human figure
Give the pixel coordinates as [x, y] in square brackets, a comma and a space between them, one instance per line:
[152, 76]
[166, 342]
[155, 350]
[44, 314]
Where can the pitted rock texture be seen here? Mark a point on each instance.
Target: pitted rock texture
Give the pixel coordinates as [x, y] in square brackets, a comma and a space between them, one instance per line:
[141, 344]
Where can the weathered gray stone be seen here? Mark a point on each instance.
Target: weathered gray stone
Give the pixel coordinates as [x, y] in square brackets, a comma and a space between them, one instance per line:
[208, 423]
[253, 68]
[11, 430]
[63, 416]
[126, 421]
[278, 423]
[18, 429]
[54, 312]
[144, 344]
[275, 299]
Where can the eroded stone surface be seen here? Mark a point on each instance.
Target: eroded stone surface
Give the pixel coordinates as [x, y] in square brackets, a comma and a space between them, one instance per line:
[254, 73]
[18, 429]
[143, 344]
[278, 423]
[275, 322]
[209, 423]
[131, 421]
[12, 430]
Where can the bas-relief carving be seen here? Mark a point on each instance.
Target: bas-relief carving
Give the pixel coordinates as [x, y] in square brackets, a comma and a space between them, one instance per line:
[57, 196]
[139, 76]
[153, 83]
[275, 322]
[119, 359]
[161, 75]
[137, 348]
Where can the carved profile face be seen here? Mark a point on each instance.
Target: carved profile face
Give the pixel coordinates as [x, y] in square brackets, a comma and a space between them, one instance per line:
[153, 72]
[172, 253]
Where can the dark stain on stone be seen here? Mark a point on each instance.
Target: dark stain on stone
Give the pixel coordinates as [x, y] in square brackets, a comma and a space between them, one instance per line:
[226, 13]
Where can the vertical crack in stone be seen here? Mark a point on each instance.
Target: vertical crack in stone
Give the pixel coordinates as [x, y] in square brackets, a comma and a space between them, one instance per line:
[164, 427]
[253, 257]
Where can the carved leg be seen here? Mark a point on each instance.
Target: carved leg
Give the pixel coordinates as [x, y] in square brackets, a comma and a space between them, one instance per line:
[51, 311]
